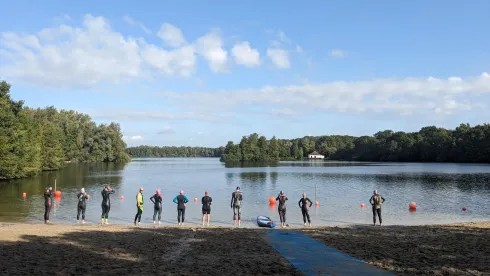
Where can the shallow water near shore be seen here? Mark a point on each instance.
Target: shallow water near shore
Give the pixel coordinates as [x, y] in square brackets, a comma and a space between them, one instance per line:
[440, 191]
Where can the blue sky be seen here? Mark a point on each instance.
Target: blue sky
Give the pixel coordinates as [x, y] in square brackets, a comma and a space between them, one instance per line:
[202, 73]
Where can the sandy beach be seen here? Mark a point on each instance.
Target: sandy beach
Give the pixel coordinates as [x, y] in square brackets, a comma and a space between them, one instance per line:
[28, 249]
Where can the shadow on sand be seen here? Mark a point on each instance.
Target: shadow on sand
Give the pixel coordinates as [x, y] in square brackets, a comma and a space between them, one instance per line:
[414, 250]
[140, 251]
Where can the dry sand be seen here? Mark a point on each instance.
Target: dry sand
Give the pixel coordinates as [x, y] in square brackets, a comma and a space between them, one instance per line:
[30, 249]
[456, 249]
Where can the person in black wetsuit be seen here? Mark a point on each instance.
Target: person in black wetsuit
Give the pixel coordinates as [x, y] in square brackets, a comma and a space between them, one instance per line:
[82, 196]
[157, 200]
[48, 203]
[206, 207]
[181, 201]
[281, 208]
[106, 203]
[303, 204]
[236, 203]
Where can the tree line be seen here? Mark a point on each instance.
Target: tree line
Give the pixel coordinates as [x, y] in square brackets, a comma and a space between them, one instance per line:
[465, 144]
[34, 140]
[149, 151]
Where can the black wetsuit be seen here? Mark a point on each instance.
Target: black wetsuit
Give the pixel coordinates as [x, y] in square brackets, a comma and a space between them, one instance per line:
[106, 203]
[281, 208]
[303, 204]
[206, 205]
[157, 200]
[236, 202]
[181, 200]
[376, 207]
[48, 203]
[81, 205]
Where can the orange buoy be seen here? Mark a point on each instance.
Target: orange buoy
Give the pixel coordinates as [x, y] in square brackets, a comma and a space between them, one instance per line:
[24, 195]
[464, 209]
[317, 203]
[272, 205]
[362, 205]
[195, 199]
[412, 210]
[57, 194]
[121, 197]
[272, 200]
[412, 206]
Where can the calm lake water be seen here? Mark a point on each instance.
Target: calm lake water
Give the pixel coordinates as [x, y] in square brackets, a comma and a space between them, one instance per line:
[440, 191]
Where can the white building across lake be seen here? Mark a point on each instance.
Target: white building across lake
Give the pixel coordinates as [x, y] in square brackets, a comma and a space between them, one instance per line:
[315, 155]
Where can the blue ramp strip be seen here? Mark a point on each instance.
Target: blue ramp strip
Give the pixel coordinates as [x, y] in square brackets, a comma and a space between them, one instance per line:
[315, 258]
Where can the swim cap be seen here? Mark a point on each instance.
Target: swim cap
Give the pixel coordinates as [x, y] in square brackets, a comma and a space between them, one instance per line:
[304, 194]
[158, 191]
[181, 192]
[375, 192]
[82, 190]
[141, 189]
[281, 192]
[206, 192]
[238, 188]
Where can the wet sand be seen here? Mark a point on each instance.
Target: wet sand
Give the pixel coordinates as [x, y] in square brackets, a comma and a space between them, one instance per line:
[455, 249]
[37, 249]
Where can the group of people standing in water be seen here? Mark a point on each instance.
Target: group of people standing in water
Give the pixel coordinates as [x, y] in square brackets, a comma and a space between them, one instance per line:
[181, 200]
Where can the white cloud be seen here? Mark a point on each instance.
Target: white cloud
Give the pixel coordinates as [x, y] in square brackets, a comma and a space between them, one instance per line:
[148, 115]
[171, 35]
[245, 55]
[338, 53]
[93, 53]
[279, 57]
[409, 96]
[211, 48]
[131, 21]
[299, 49]
[133, 138]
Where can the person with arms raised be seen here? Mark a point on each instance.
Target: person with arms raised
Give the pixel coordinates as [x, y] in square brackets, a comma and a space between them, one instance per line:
[106, 203]
[82, 197]
[281, 208]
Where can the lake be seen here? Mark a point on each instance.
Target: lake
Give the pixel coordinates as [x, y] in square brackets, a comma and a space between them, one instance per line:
[440, 191]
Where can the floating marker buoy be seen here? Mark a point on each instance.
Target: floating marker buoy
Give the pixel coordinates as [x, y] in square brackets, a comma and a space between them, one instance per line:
[121, 197]
[57, 194]
[464, 209]
[362, 205]
[412, 206]
[24, 195]
[412, 210]
[317, 203]
[272, 200]
[195, 199]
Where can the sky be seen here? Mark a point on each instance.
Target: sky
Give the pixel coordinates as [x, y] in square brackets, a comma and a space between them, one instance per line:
[202, 73]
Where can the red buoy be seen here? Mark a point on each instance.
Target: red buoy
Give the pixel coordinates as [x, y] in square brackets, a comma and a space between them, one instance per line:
[57, 194]
[317, 203]
[362, 205]
[464, 209]
[24, 195]
[272, 200]
[412, 206]
[121, 197]
[195, 199]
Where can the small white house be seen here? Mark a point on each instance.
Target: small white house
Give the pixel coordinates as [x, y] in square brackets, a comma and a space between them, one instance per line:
[315, 155]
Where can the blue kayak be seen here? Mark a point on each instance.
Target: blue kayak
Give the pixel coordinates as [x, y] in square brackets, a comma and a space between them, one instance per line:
[263, 221]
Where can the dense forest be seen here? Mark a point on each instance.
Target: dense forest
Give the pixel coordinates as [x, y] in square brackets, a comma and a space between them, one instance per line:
[148, 151]
[34, 140]
[465, 144]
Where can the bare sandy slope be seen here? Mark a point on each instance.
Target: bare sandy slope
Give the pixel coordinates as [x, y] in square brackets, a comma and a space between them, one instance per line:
[457, 249]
